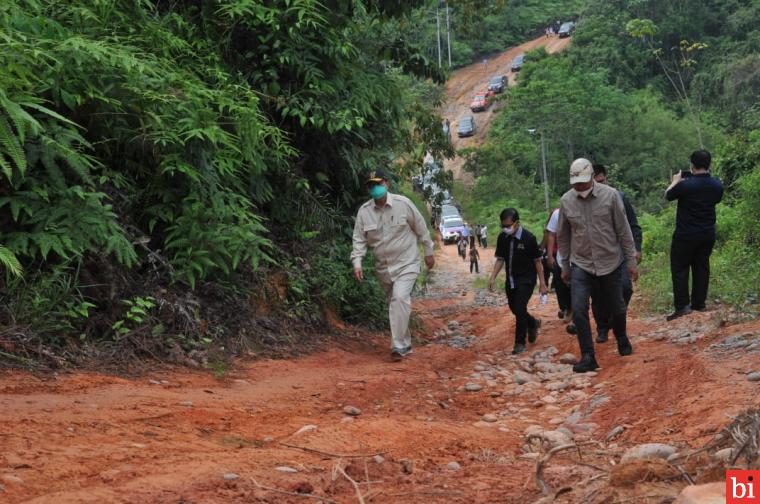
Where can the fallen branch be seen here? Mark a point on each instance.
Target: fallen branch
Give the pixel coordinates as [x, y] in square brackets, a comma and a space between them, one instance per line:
[545, 489]
[331, 455]
[353, 482]
[685, 475]
[294, 494]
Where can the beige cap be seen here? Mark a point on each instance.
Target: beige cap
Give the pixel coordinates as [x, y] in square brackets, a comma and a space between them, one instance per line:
[581, 171]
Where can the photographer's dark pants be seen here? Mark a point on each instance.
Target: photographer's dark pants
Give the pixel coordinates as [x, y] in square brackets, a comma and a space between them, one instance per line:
[561, 288]
[607, 287]
[518, 303]
[602, 317]
[691, 255]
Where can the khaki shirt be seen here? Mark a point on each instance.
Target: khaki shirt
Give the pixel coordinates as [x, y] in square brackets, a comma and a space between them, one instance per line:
[593, 233]
[391, 232]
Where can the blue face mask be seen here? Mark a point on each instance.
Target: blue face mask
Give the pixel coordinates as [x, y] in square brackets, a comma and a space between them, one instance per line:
[378, 191]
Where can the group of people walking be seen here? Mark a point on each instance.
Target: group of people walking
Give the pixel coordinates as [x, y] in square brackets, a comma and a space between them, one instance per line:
[592, 244]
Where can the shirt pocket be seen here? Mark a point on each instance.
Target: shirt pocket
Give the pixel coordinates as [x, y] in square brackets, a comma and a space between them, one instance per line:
[372, 232]
[575, 218]
[601, 221]
[399, 226]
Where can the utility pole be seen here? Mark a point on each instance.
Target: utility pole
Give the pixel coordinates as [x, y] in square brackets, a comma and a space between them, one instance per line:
[438, 32]
[448, 32]
[533, 132]
[546, 182]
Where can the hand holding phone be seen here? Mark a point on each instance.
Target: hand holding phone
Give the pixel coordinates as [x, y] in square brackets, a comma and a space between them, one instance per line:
[685, 174]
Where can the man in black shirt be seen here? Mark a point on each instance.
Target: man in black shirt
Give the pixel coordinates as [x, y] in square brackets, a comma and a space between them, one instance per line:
[517, 247]
[697, 193]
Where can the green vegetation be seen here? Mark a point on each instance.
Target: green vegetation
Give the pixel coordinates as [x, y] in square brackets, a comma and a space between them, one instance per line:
[178, 178]
[192, 154]
[483, 28]
[644, 84]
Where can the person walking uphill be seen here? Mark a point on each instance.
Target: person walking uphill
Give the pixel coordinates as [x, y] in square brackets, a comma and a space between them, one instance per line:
[603, 320]
[518, 248]
[595, 243]
[391, 225]
[694, 237]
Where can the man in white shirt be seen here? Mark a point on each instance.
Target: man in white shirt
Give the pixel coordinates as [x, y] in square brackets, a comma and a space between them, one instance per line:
[391, 225]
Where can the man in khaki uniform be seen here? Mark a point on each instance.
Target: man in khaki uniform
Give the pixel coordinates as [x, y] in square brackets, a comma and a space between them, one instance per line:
[390, 225]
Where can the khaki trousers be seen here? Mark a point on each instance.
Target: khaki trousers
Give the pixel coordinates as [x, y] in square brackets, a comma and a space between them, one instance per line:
[399, 296]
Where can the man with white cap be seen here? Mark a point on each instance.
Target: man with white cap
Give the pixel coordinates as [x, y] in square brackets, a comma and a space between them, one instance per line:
[595, 243]
[390, 225]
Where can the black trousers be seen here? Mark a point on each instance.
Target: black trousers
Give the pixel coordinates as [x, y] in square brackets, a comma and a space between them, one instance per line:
[691, 255]
[547, 271]
[602, 315]
[610, 288]
[518, 303]
[561, 288]
[475, 265]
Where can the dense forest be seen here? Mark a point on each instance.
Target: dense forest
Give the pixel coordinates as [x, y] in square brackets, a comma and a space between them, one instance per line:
[178, 179]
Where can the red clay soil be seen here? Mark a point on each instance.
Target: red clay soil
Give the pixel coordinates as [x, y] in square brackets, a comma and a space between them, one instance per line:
[172, 436]
[182, 436]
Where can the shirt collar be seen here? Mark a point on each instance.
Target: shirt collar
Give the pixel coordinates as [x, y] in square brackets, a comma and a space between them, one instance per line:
[517, 234]
[388, 201]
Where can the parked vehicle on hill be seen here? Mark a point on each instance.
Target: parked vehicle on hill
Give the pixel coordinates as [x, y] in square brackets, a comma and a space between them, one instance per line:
[517, 63]
[480, 103]
[451, 229]
[498, 83]
[449, 211]
[566, 29]
[466, 127]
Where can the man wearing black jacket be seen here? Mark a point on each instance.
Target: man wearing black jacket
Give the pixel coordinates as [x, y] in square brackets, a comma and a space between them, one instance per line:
[602, 318]
[516, 247]
[697, 193]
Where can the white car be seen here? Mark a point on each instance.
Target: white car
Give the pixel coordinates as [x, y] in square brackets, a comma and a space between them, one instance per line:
[451, 228]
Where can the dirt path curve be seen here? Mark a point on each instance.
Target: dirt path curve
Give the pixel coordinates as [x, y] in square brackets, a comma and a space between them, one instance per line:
[466, 81]
[445, 425]
[172, 437]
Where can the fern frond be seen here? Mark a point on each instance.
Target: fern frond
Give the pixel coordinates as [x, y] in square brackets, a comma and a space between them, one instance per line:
[11, 147]
[8, 261]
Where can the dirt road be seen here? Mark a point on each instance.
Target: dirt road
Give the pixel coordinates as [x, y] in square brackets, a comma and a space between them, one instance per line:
[175, 436]
[467, 81]
[348, 425]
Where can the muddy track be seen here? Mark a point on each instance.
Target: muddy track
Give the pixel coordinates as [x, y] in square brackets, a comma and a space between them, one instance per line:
[272, 431]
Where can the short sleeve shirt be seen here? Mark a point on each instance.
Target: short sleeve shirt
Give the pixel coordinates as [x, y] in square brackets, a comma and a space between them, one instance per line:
[551, 226]
[519, 252]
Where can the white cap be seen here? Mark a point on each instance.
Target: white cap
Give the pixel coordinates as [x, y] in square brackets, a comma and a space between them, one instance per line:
[581, 171]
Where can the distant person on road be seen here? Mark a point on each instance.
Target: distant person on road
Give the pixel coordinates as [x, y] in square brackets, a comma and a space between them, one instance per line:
[479, 234]
[697, 193]
[595, 243]
[474, 258]
[462, 246]
[391, 226]
[518, 249]
[484, 236]
[604, 320]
